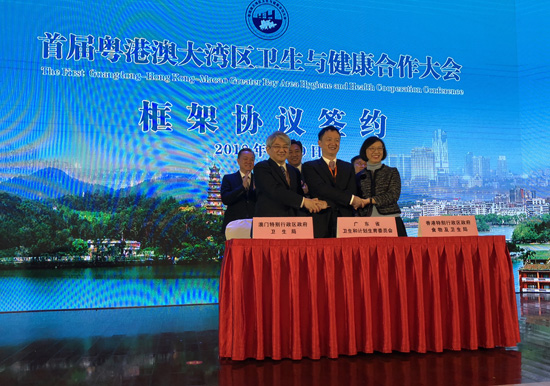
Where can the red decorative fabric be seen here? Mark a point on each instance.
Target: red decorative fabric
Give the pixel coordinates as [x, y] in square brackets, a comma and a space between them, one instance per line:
[329, 297]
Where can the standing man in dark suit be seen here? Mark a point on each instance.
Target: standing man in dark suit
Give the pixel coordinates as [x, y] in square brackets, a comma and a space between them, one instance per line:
[278, 189]
[238, 191]
[295, 155]
[333, 181]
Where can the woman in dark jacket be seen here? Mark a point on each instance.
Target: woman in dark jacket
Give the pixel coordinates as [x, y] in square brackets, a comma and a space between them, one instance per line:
[379, 185]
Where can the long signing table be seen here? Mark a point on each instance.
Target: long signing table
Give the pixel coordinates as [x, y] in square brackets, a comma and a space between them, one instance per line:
[330, 297]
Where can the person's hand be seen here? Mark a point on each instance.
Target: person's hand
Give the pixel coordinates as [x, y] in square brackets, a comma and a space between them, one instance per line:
[322, 204]
[310, 205]
[313, 205]
[365, 202]
[357, 202]
[246, 180]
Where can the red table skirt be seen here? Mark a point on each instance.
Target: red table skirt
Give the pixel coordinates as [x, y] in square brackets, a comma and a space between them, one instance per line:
[329, 297]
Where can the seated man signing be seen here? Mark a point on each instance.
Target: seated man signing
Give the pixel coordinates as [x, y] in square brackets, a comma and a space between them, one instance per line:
[278, 189]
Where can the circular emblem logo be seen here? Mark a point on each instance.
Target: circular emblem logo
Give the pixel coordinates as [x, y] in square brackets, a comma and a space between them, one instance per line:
[267, 19]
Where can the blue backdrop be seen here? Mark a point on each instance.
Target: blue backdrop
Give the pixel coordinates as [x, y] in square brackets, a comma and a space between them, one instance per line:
[151, 94]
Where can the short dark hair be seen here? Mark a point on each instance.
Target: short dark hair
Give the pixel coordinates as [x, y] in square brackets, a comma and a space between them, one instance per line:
[328, 128]
[243, 150]
[294, 142]
[355, 159]
[368, 142]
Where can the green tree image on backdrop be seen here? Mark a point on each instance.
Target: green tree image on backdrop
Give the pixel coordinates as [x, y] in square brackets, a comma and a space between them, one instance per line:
[533, 230]
[166, 228]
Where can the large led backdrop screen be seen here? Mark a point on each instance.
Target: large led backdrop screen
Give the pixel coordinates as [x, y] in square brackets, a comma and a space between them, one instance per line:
[117, 120]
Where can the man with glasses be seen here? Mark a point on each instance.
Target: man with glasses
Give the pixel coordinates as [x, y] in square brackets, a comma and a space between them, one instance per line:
[278, 189]
[358, 164]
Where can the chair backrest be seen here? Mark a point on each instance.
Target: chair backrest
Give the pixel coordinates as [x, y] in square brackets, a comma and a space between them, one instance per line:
[239, 229]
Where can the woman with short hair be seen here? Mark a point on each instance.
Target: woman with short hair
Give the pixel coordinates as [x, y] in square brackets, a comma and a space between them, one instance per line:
[379, 185]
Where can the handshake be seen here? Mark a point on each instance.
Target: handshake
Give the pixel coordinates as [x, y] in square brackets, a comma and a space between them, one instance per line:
[358, 202]
[314, 205]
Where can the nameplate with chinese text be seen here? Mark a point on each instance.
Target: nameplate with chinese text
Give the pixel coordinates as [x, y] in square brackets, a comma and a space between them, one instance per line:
[434, 226]
[282, 228]
[366, 227]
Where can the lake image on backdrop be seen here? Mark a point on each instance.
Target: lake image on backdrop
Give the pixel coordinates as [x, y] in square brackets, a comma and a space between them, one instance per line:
[104, 287]
[129, 286]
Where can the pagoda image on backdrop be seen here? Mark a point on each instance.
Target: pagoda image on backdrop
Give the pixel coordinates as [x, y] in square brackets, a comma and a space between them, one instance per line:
[214, 198]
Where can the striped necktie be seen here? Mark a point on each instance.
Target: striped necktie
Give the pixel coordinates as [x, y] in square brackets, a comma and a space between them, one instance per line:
[285, 175]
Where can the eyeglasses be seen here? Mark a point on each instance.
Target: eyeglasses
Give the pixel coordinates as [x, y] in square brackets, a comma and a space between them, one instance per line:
[373, 149]
[277, 147]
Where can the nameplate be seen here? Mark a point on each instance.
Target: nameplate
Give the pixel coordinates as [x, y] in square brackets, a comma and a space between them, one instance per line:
[434, 226]
[282, 228]
[366, 227]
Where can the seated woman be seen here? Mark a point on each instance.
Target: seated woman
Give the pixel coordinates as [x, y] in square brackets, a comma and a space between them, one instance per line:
[379, 185]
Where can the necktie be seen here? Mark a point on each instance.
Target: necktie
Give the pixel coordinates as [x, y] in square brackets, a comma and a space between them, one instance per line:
[332, 167]
[285, 175]
[246, 181]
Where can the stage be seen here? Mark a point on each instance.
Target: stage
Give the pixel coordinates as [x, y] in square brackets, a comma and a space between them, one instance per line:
[167, 346]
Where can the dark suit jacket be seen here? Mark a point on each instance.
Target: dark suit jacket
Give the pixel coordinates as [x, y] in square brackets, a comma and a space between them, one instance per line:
[274, 197]
[240, 202]
[336, 192]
